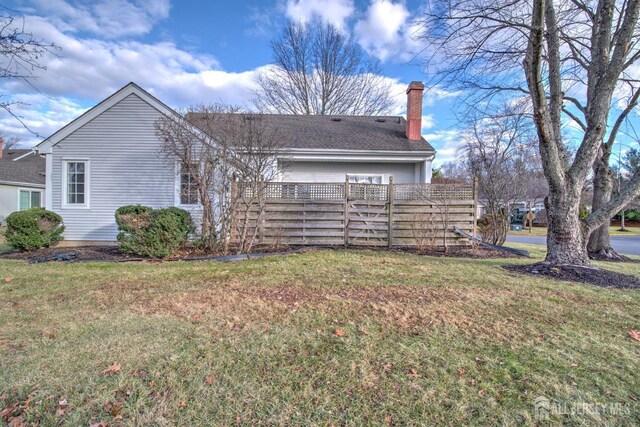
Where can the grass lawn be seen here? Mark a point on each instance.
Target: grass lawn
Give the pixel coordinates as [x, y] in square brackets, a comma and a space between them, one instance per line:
[542, 231]
[319, 338]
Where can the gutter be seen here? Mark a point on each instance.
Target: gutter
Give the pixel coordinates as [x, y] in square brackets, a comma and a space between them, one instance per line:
[22, 184]
[357, 155]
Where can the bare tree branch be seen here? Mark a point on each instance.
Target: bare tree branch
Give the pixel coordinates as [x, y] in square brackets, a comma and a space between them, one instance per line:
[319, 70]
[21, 56]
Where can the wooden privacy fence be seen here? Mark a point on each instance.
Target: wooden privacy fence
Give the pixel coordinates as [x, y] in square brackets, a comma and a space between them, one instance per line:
[296, 213]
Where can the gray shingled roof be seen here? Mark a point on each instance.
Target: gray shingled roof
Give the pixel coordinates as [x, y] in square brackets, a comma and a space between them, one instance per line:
[30, 169]
[368, 133]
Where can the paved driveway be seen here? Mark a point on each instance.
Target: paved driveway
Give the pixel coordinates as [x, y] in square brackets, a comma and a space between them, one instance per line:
[628, 245]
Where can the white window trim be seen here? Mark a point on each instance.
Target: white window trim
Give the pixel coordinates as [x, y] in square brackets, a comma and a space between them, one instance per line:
[349, 175]
[31, 190]
[87, 183]
[177, 198]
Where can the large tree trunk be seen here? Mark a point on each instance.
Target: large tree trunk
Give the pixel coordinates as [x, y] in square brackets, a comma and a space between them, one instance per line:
[599, 246]
[566, 235]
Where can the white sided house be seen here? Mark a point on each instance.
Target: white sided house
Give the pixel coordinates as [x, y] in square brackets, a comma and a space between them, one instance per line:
[22, 181]
[111, 157]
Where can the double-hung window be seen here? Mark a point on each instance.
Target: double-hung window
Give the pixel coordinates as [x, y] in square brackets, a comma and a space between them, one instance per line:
[76, 188]
[28, 199]
[188, 187]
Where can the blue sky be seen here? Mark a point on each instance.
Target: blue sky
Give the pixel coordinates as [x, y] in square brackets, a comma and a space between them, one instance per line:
[188, 52]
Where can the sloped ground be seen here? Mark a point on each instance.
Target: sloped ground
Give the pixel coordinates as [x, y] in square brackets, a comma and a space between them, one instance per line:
[318, 338]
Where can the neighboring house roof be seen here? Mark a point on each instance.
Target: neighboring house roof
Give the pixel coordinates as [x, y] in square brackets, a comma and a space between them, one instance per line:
[357, 133]
[18, 168]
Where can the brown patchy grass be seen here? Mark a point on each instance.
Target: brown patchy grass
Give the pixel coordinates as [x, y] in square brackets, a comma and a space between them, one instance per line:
[426, 341]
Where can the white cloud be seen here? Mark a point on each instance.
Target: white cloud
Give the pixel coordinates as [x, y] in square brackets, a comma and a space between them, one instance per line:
[48, 116]
[433, 94]
[386, 31]
[86, 70]
[428, 122]
[335, 12]
[447, 144]
[106, 18]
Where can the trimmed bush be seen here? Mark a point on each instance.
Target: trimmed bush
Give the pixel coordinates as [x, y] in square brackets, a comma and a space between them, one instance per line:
[155, 233]
[33, 229]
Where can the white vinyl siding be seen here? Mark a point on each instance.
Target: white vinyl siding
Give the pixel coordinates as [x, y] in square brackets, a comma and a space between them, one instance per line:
[10, 198]
[126, 166]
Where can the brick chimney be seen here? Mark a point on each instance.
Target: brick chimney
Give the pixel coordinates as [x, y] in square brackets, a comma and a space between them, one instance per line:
[414, 110]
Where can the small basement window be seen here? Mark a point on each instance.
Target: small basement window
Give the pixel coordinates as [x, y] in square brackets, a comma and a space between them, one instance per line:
[28, 199]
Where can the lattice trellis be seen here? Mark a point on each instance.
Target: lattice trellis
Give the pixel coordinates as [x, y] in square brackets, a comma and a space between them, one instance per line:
[295, 190]
[368, 191]
[336, 191]
[433, 192]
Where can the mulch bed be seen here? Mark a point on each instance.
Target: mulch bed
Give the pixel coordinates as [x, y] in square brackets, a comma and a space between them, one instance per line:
[73, 254]
[617, 258]
[113, 254]
[589, 275]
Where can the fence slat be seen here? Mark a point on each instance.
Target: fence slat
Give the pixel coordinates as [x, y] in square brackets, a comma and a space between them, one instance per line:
[354, 214]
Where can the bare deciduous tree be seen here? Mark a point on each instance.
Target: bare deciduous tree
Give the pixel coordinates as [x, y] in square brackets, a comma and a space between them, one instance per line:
[251, 148]
[569, 58]
[500, 150]
[9, 143]
[320, 70]
[217, 145]
[22, 55]
[424, 231]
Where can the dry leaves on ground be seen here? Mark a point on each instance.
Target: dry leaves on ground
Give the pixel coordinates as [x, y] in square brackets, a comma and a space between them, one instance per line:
[634, 334]
[340, 332]
[62, 406]
[112, 369]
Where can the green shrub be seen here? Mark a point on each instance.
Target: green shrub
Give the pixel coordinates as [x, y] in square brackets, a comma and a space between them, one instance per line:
[632, 215]
[156, 233]
[33, 229]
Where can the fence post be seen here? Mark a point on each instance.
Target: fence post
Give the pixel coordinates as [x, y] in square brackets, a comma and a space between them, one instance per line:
[346, 210]
[262, 207]
[475, 206]
[390, 213]
[234, 210]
